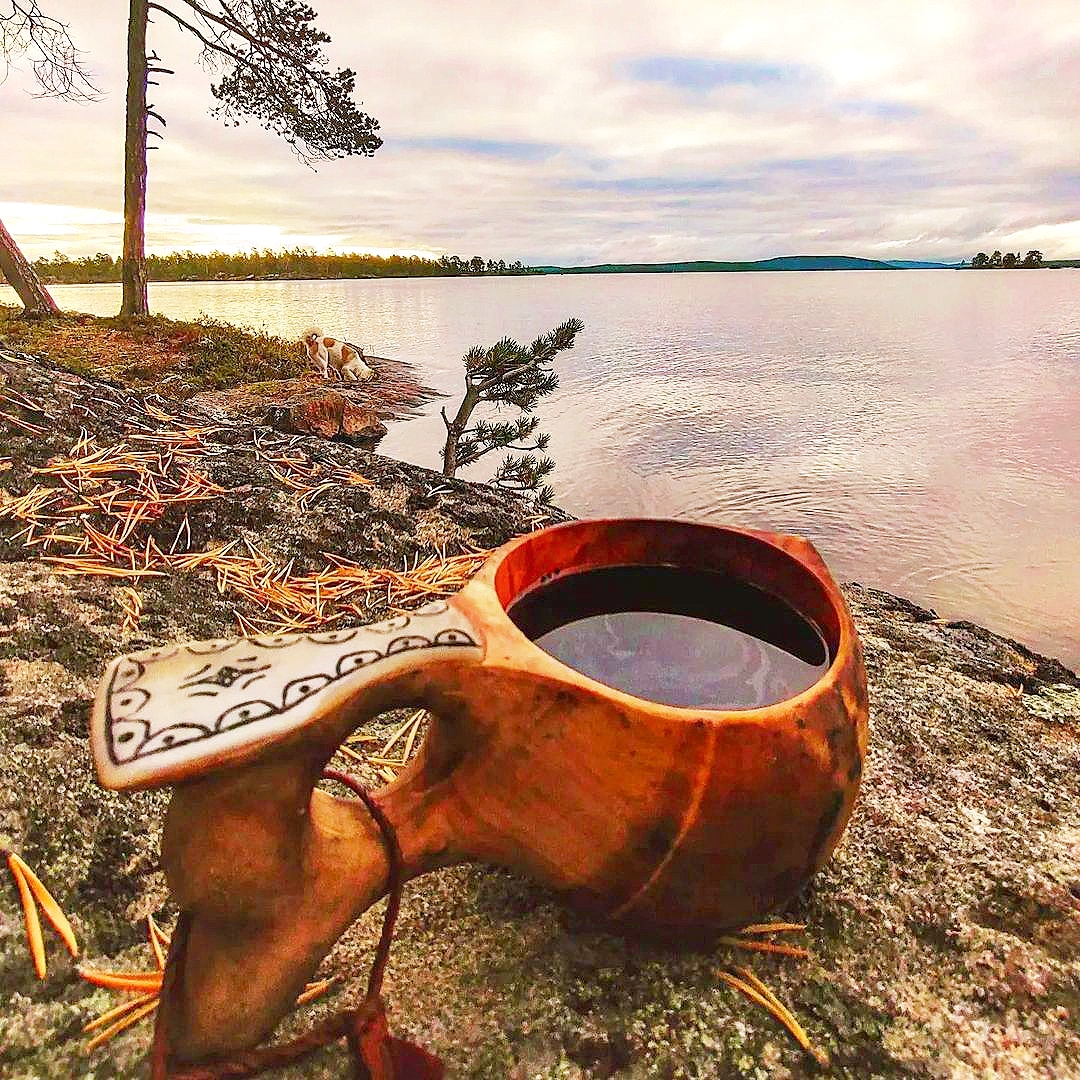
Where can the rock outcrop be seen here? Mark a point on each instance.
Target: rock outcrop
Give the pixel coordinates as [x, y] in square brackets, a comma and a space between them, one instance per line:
[394, 394]
[331, 416]
[945, 932]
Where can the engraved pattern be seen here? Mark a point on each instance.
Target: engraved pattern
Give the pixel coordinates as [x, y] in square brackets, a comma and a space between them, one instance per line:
[189, 698]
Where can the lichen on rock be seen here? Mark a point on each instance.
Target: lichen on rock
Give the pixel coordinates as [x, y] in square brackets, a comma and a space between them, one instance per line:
[945, 931]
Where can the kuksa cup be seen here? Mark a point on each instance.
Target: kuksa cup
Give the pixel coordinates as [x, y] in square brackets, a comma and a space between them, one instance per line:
[674, 820]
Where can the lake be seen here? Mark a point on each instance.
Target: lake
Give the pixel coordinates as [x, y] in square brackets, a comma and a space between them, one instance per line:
[921, 427]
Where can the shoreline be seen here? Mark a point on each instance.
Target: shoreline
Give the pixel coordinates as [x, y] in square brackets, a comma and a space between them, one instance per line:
[206, 359]
[815, 264]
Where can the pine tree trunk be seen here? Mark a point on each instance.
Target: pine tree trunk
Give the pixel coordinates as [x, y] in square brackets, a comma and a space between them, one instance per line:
[37, 303]
[454, 429]
[133, 273]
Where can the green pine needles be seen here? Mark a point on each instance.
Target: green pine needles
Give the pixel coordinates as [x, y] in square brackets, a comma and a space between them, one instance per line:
[508, 374]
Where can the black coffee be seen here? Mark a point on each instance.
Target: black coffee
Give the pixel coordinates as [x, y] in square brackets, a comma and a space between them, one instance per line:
[692, 638]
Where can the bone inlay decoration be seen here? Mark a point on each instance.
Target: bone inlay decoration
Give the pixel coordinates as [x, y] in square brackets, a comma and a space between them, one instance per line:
[163, 710]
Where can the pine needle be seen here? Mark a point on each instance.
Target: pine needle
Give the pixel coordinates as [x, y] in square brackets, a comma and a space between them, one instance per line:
[130, 602]
[795, 951]
[49, 906]
[154, 934]
[138, 981]
[145, 1009]
[117, 1011]
[133, 483]
[793, 1024]
[411, 740]
[315, 989]
[760, 994]
[773, 928]
[30, 916]
[163, 938]
[397, 735]
[350, 753]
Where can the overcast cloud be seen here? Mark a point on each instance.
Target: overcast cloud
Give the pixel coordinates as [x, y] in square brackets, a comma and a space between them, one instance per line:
[580, 132]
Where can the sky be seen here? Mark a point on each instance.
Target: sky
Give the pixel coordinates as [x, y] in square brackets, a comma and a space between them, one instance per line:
[586, 131]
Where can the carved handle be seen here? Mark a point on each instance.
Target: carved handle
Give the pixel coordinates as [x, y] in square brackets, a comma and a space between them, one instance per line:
[173, 713]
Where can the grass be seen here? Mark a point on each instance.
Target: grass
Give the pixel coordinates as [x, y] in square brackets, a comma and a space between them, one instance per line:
[180, 357]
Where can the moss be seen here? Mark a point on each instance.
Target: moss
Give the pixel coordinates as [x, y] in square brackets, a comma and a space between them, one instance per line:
[43, 633]
[204, 354]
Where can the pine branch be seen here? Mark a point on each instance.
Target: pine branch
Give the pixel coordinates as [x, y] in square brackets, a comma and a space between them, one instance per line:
[523, 474]
[273, 71]
[507, 374]
[262, 40]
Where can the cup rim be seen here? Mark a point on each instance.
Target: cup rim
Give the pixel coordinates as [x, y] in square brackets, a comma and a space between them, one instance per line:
[503, 575]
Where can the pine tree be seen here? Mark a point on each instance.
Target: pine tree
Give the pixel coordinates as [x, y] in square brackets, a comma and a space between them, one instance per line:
[507, 373]
[271, 67]
[20, 275]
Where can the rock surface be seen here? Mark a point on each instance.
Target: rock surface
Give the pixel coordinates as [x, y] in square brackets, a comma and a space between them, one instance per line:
[945, 931]
[392, 395]
[329, 415]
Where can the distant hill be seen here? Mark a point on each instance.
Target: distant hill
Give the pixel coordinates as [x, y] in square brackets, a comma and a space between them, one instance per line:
[915, 264]
[786, 262]
[821, 262]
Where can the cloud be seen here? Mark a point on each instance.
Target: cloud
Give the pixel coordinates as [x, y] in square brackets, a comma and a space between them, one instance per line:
[699, 74]
[510, 149]
[627, 130]
[660, 185]
[880, 109]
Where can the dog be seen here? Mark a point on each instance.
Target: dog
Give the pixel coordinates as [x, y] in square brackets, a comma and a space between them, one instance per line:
[329, 354]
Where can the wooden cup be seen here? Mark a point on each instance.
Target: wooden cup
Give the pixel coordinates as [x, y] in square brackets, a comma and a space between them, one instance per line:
[674, 820]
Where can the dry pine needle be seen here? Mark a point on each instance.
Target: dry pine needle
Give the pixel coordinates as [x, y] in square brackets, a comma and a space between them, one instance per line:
[33, 893]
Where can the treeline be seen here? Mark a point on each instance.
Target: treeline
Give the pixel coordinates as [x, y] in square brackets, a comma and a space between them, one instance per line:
[267, 265]
[1009, 261]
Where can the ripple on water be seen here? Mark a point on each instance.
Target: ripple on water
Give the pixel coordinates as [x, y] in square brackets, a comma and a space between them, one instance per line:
[921, 427]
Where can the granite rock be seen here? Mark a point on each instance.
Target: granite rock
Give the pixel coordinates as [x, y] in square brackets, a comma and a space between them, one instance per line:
[945, 931]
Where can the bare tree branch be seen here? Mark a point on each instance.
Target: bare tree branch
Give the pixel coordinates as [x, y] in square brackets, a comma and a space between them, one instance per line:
[234, 25]
[55, 61]
[207, 43]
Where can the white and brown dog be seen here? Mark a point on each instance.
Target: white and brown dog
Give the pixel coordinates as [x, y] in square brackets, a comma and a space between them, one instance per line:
[329, 354]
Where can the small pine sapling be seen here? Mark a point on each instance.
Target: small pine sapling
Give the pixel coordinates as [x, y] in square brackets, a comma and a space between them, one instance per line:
[508, 374]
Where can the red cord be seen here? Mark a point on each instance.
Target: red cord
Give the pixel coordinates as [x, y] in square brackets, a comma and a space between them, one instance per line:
[394, 878]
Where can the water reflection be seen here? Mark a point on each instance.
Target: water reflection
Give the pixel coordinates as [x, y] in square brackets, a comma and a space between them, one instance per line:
[921, 427]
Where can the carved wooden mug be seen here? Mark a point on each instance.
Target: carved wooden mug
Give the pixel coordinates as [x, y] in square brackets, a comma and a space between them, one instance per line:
[674, 819]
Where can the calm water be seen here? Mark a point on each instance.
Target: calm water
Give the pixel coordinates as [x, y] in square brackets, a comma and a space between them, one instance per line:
[921, 427]
[692, 638]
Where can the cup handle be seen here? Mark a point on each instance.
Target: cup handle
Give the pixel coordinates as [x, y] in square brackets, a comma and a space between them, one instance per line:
[169, 714]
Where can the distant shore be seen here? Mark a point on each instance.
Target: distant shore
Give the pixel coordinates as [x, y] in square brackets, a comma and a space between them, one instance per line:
[779, 266]
[187, 267]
